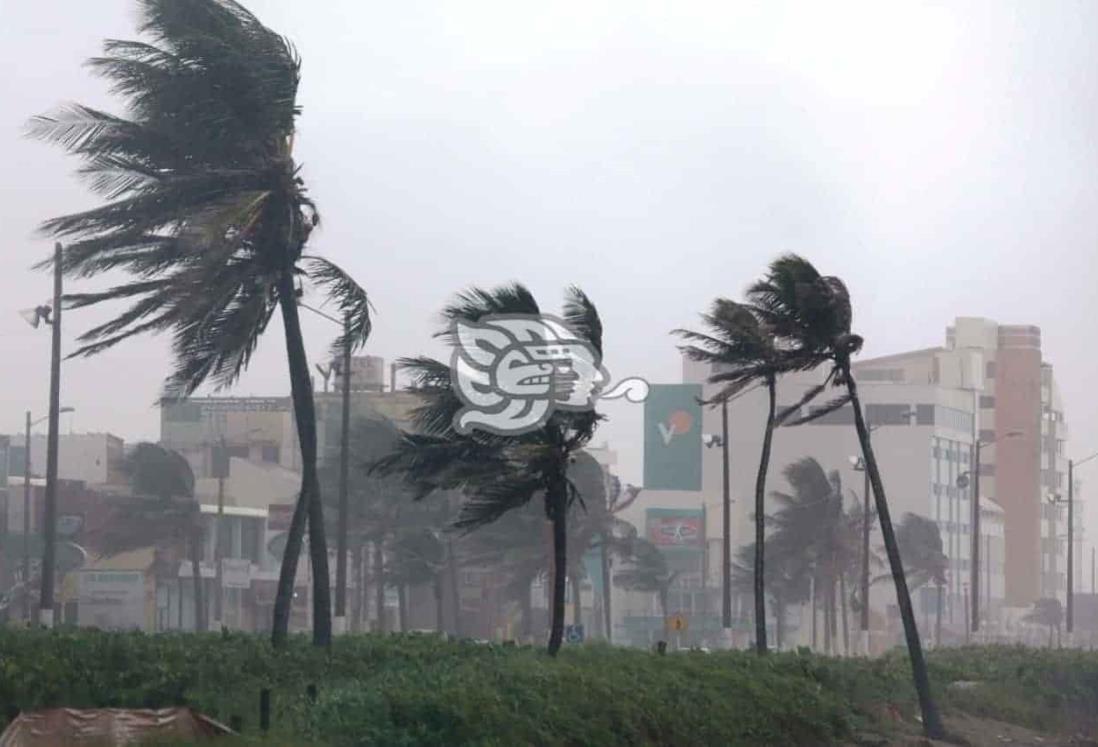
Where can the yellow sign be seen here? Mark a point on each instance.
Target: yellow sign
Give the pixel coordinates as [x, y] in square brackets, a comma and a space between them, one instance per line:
[678, 623]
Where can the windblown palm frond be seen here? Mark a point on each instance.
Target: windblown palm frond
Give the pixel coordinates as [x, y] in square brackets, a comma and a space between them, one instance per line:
[352, 300]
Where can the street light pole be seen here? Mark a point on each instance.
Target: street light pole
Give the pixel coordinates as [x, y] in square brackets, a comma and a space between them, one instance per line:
[344, 468]
[1072, 464]
[726, 528]
[219, 581]
[26, 519]
[49, 557]
[975, 564]
[1071, 548]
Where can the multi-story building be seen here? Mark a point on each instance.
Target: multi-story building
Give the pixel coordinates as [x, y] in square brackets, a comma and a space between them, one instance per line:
[1024, 463]
[927, 409]
[92, 458]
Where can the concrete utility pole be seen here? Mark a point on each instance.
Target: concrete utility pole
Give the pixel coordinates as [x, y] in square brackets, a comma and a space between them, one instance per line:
[49, 536]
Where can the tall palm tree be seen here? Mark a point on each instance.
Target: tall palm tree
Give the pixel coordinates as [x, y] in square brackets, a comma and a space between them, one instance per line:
[208, 213]
[161, 511]
[647, 570]
[500, 472]
[742, 349]
[813, 314]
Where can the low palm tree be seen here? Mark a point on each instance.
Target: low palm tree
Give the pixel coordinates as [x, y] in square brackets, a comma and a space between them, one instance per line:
[787, 578]
[208, 212]
[813, 314]
[499, 472]
[161, 511]
[647, 570]
[417, 558]
[925, 561]
[812, 526]
[1047, 612]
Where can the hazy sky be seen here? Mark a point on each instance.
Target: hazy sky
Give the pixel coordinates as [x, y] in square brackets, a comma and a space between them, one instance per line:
[939, 157]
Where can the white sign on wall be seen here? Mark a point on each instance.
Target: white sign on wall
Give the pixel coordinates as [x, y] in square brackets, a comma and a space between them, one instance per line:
[236, 573]
[112, 600]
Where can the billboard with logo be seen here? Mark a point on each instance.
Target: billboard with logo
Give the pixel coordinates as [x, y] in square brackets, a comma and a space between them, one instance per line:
[675, 528]
[672, 437]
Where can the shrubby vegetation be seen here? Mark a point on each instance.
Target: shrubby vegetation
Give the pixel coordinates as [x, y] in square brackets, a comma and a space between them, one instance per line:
[422, 690]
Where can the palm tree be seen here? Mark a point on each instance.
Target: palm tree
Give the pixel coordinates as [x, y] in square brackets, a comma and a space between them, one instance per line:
[161, 511]
[1048, 612]
[742, 351]
[787, 575]
[207, 210]
[417, 558]
[812, 313]
[920, 541]
[812, 527]
[648, 571]
[500, 472]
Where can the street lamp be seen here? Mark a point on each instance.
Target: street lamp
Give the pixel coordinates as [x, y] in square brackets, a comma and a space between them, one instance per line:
[27, 495]
[51, 315]
[340, 621]
[962, 483]
[1054, 499]
[712, 441]
[857, 464]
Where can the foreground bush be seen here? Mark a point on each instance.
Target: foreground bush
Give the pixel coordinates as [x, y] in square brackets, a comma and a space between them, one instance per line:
[421, 690]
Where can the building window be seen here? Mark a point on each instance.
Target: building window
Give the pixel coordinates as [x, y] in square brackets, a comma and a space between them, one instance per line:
[987, 402]
[989, 370]
[271, 454]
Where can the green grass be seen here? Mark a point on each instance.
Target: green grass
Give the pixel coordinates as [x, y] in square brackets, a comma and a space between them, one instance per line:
[419, 690]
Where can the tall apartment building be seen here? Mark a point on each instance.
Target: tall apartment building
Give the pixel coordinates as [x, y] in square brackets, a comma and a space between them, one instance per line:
[1022, 413]
[929, 407]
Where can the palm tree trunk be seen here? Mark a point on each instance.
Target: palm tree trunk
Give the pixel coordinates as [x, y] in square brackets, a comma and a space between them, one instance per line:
[196, 572]
[455, 589]
[287, 574]
[356, 598]
[760, 519]
[577, 603]
[379, 586]
[815, 638]
[938, 620]
[402, 606]
[662, 597]
[301, 389]
[1050, 636]
[558, 512]
[527, 610]
[440, 617]
[932, 722]
[607, 616]
[827, 601]
[846, 626]
[779, 620]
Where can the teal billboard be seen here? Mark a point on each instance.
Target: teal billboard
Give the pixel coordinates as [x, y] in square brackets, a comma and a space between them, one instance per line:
[672, 437]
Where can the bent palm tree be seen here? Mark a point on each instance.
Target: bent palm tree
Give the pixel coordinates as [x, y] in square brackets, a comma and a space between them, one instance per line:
[161, 511]
[925, 561]
[648, 571]
[813, 313]
[1046, 611]
[500, 472]
[742, 349]
[207, 210]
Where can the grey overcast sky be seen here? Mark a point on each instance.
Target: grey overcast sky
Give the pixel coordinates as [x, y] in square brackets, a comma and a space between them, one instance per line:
[940, 157]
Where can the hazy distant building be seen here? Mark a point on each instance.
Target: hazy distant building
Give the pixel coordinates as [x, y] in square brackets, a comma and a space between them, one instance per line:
[92, 458]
